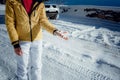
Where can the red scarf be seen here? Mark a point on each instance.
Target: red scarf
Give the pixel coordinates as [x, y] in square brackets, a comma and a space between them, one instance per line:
[28, 5]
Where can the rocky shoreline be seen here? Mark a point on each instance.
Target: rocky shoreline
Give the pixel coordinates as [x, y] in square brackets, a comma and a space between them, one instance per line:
[103, 14]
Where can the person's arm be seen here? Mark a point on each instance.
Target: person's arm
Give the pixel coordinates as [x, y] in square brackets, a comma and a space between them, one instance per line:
[44, 21]
[48, 26]
[10, 24]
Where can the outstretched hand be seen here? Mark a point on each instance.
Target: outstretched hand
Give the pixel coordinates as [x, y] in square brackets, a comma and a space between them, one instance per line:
[61, 34]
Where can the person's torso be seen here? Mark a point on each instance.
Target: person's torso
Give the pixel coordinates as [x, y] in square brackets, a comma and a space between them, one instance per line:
[27, 26]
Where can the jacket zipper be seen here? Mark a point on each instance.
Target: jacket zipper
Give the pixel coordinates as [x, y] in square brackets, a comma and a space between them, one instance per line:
[30, 19]
[30, 28]
[33, 10]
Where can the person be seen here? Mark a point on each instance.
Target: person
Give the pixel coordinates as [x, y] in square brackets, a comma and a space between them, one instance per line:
[24, 21]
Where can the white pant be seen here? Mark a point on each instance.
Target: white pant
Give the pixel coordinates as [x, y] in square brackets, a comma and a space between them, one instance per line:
[30, 63]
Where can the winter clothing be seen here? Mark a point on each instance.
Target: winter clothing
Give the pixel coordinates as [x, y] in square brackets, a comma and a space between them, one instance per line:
[24, 27]
[30, 61]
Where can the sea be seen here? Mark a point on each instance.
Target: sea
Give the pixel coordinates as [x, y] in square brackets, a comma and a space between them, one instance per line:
[94, 2]
[115, 3]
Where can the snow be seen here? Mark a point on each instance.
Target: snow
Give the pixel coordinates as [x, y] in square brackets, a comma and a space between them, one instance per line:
[2, 9]
[91, 53]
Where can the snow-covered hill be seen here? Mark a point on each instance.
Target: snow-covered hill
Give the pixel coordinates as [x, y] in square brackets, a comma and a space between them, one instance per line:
[91, 53]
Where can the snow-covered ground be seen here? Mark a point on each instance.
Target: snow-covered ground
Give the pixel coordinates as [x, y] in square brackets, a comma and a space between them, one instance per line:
[2, 8]
[91, 53]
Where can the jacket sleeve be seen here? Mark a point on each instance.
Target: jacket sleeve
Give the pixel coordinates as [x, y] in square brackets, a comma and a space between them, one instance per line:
[45, 23]
[10, 23]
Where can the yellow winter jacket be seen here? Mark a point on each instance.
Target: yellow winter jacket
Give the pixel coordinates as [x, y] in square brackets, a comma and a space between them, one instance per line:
[21, 26]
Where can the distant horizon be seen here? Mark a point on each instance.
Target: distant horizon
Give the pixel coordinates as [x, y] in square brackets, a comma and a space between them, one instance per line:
[94, 5]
